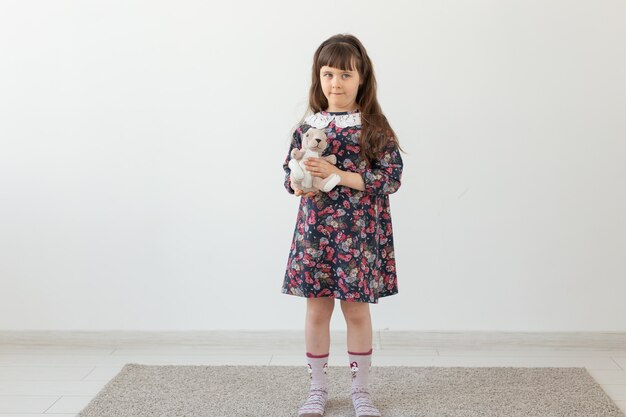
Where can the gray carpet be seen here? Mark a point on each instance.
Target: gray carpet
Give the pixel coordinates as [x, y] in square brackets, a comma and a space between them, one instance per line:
[261, 391]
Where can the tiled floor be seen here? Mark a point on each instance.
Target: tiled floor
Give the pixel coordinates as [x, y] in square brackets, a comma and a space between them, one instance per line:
[57, 373]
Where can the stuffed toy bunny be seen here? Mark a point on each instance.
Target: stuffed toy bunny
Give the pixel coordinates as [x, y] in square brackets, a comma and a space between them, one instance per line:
[314, 142]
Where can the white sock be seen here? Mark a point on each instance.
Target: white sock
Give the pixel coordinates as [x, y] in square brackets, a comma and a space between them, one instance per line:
[318, 393]
[360, 364]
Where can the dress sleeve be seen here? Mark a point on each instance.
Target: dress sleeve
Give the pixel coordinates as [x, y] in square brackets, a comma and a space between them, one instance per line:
[386, 172]
[295, 144]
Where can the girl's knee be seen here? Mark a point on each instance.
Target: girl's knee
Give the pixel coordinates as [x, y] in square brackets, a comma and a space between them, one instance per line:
[320, 307]
[355, 311]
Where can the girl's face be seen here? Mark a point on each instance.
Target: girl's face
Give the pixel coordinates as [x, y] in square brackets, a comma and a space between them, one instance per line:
[340, 88]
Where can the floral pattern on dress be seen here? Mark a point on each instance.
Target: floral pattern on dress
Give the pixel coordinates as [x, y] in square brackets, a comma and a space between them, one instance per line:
[342, 245]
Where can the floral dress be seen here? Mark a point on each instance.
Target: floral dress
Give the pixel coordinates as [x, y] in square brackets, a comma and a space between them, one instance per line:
[342, 244]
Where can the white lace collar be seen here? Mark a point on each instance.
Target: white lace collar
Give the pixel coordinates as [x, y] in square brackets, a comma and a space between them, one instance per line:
[322, 119]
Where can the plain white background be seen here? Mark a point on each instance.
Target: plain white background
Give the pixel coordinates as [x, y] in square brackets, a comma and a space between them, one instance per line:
[142, 142]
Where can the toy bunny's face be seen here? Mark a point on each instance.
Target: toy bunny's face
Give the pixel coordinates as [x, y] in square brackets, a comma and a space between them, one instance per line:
[314, 139]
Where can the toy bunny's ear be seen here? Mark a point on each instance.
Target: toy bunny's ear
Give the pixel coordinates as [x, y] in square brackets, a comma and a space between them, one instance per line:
[295, 144]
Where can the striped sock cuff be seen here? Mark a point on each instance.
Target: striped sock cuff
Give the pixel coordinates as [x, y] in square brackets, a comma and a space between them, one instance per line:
[362, 353]
[310, 355]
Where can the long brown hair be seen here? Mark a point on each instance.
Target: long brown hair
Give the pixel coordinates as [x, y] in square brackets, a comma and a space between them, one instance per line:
[346, 52]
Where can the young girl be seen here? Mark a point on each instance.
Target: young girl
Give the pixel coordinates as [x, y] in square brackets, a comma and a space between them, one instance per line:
[343, 244]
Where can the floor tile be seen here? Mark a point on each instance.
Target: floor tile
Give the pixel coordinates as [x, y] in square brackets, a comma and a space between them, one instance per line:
[54, 388]
[608, 376]
[116, 360]
[617, 392]
[26, 403]
[621, 361]
[44, 373]
[526, 352]
[69, 404]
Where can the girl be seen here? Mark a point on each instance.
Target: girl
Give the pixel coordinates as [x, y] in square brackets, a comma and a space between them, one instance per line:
[343, 245]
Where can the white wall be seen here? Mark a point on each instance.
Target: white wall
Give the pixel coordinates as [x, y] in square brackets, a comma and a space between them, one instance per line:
[142, 147]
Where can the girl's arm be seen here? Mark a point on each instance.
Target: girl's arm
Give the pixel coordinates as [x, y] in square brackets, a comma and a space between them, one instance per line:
[386, 172]
[352, 180]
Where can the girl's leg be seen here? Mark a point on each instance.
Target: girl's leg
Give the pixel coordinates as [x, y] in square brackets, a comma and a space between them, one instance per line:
[317, 324]
[317, 337]
[359, 322]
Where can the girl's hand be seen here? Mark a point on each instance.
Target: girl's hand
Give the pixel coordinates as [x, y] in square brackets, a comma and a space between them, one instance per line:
[309, 194]
[319, 167]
